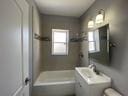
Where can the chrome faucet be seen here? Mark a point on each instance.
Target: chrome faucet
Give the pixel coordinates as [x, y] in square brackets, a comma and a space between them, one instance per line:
[93, 67]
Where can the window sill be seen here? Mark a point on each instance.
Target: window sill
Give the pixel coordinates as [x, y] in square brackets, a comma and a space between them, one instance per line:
[93, 51]
[59, 54]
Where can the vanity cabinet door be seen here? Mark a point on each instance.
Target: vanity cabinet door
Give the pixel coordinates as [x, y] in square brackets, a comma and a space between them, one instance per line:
[79, 90]
[80, 86]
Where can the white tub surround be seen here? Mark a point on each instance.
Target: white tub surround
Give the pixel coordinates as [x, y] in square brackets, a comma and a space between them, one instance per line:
[55, 83]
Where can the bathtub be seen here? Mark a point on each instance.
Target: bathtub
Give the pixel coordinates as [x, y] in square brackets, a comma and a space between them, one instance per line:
[55, 83]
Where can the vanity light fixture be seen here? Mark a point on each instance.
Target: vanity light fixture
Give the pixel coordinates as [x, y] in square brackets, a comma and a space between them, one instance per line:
[100, 17]
[91, 24]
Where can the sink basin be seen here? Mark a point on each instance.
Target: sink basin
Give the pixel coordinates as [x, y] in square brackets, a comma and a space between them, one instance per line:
[87, 72]
[91, 77]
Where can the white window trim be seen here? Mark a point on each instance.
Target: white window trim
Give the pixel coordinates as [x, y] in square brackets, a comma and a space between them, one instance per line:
[67, 41]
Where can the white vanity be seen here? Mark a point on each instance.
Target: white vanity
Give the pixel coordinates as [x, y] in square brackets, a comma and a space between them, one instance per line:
[88, 83]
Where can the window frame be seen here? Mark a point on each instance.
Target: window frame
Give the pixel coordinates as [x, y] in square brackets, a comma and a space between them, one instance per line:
[92, 41]
[96, 42]
[67, 41]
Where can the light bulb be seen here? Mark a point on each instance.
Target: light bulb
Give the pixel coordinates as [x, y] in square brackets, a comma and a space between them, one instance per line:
[91, 24]
[99, 18]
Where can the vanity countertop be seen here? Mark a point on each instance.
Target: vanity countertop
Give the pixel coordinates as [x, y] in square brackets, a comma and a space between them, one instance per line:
[91, 77]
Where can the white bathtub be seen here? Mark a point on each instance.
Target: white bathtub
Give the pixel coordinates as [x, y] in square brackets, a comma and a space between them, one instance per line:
[55, 83]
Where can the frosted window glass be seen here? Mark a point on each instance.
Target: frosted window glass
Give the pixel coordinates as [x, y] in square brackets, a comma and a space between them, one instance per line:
[60, 48]
[91, 46]
[60, 36]
[60, 42]
[90, 36]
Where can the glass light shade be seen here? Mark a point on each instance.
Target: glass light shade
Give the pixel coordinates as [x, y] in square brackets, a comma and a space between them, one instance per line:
[99, 18]
[91, 24]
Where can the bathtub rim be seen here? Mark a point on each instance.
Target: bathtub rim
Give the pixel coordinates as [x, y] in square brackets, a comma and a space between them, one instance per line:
[55, 83]
[39, 83]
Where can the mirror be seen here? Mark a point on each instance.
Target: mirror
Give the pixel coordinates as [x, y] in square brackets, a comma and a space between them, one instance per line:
[98, 45]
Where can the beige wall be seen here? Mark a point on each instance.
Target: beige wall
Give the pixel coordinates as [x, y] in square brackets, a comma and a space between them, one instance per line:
[116, 14]
[50, 62]
[36, 44]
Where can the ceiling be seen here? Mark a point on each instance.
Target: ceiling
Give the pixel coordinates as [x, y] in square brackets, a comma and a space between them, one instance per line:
[74, 8]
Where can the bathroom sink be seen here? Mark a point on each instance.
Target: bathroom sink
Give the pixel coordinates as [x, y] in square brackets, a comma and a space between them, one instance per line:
[88, 83]
[91, 77]
[87, 72]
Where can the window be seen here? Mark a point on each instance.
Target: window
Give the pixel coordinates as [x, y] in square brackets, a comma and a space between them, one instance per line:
[60, 42]
[93, 38]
